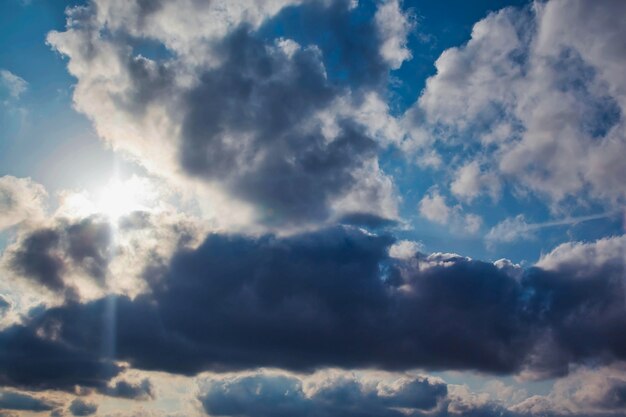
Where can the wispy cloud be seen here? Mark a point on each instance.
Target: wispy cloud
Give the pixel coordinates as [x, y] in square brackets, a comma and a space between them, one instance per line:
[14, 85]
[517, 228]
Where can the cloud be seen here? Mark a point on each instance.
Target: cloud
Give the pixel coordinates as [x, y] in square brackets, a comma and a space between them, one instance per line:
[517, 228]
[470, 182]
[19, 401]
[587, 392]
[394, 27]
[141, 390]
[271, 394]
[233, 112]
[185, 26]
[13, 84]
[510, 230]
[594, 391]
[36, 359]
[538, 94]
[433, 207]
[334, 298]
[21, 200]
[82, 408]
[89, 257]
[405, 249]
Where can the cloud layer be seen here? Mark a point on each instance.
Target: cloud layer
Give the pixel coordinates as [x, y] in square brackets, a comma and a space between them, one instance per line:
[335, 298]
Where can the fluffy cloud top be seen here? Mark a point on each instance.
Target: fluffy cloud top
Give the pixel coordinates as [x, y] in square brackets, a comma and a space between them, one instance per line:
[541, 94]
[239, 113]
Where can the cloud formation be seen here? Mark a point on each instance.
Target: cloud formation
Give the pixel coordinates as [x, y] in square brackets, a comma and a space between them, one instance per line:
[276, 285]
[253, 119]
[336, 298]
[10, 400]
[79, 407]
[273, 395]
[539, 92]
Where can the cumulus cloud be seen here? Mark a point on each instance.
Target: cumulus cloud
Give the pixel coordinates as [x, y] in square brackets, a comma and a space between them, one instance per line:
[539, 92]
[11, 400]
[470, 182]
[282, 135]
[79, 407]
[404, 249]
[394, 27]
[232, 111]
[433, 207]
[21, 199]
[88, 257]
[593, 391]
[319, 395]
[336, 298]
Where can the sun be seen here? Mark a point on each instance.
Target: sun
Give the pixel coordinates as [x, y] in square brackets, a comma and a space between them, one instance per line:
[119, 198]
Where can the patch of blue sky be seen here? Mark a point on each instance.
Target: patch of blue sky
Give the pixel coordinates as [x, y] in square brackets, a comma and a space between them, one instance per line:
[344, 38]
[46, 139]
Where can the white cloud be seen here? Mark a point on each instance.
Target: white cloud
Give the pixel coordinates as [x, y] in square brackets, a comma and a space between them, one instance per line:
[405, 249]
[393, 26]
[585, 391]
[510, 229]
[517, 228]
[13, 84]
[541, 91]
[21, 199]
[434, 207]
[470, 182]
[473, 223]
[580, 258]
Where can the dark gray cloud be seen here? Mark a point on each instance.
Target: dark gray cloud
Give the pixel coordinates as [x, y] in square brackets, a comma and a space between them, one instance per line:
[282, 395]
[35, 358]
[88, 244]
[45, 255]
[142, 390]
[334, 298]
[247, 126]
[37, 259]
[79, 407]
[19, 401]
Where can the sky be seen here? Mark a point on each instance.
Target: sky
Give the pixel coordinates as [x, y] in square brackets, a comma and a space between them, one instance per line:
[319, 208]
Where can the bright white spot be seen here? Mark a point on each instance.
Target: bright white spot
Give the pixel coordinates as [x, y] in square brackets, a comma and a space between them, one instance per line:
[119, 198]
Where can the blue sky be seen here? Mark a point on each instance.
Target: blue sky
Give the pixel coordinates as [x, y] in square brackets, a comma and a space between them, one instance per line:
[446, 177]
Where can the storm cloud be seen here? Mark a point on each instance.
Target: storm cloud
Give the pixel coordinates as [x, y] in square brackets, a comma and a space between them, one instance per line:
[334, 298]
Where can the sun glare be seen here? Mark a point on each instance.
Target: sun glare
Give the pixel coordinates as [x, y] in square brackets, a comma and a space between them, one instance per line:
[119, 198]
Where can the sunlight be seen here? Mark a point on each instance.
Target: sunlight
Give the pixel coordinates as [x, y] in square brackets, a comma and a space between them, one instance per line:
[119, 198]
